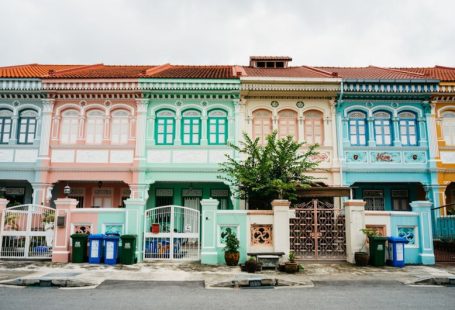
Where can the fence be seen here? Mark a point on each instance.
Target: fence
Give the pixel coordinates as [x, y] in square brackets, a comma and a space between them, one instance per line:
[444, 233]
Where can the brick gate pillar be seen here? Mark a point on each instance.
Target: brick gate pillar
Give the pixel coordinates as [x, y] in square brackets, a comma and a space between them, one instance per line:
[209, 253]
[281, 229]
[423, 208]
[354, 211]
[62, 242]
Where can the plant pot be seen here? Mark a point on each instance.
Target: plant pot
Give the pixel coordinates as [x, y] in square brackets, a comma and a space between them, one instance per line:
[251, 266]
[291, 267]
[232, 258]
[361, 258]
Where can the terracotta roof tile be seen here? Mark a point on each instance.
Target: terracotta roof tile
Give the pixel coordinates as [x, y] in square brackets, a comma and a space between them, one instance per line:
[101, 72]
[374, 73]
[31, 70]
[446, 74]
[194, 72]
[291, 72]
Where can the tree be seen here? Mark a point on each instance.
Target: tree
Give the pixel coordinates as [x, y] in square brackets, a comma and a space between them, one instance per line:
[270, 171]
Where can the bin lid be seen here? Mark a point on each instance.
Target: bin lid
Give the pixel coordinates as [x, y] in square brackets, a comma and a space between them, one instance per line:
[96, 236]
[398, 239]
[79, 236]
[378, 238]
[111, 237]
[128, 236]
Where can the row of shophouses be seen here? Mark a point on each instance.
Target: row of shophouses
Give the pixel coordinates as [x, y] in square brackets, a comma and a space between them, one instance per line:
[150, 136]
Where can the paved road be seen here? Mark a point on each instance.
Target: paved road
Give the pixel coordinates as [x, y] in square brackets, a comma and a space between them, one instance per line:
[146, 295]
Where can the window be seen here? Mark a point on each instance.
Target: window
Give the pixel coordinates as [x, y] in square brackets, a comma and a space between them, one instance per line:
[374, 199]
[400, 200]
[448, 127]
[217, 127]
[313, 127]
[382, 128]
[5, 126]
[27, 127]
[357, 128]
[69, 127]
[120, 127]
[262, 125]
[408, 128]
[287, 124]
[102, 198]
[95, 127]
[191, 127]
[165, 127]
[222, 195]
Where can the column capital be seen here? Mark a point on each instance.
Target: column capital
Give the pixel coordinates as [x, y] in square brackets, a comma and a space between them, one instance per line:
[48, 105]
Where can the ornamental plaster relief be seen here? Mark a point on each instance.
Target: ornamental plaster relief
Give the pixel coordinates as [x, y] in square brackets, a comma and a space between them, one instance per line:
[187, 156]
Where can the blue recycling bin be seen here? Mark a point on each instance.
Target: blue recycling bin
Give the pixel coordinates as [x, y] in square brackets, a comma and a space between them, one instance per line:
[111, 249]
[95, 248]
[396, 251]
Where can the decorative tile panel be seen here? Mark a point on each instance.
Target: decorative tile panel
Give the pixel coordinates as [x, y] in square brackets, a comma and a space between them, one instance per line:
[408, 232]
[415, 157]
[222, 231]
[113, 229]
[261, 235]
[385, 157]
[356, 157]
[321, 157]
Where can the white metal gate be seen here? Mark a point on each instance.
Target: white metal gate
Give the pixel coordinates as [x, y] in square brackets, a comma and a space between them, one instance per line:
[27, 231]
[172, 233]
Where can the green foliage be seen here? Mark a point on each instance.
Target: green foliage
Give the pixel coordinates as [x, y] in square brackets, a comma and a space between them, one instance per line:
[231, 240]
[370, 232]
[270, 171]
[291, 256]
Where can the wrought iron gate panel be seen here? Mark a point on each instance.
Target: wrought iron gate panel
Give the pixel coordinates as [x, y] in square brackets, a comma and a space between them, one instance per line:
[27, 231]
[172, 233]
[318, 231]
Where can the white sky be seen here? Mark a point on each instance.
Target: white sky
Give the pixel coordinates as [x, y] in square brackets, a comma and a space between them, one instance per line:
[341, 33]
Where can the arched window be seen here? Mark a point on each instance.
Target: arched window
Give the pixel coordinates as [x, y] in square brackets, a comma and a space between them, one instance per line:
[165, 127]
[408, 128]
[217, 125]
[287, 124]
[27, 127]
[120, 127]
[95, 127]
[313, 127]
[69, 127]
[448, 127]
[5, 125]
[262, 125]
[357, 128]
[191, 127]
[382, 128]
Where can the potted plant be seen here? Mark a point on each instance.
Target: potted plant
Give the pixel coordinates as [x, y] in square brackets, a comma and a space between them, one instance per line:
[251, 265]
[11, 221]
[291, 266]
[231, 249]
[362, 256]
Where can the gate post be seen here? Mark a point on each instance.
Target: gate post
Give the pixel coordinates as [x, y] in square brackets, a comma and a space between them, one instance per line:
[354, 211]
[423, 208]
[135, 209]
[281, 230]
[3, 203]
[61, 249]
[209, 254]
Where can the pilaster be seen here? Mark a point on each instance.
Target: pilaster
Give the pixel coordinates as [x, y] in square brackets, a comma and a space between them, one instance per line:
[354, 211]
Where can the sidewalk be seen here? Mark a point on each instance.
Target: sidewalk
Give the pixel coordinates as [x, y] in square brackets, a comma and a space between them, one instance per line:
[29, 273]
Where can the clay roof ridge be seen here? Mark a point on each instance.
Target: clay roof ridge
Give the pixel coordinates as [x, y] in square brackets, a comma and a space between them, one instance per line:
[444, 67]
[82, 67]
[157, 69]
[328, 73]
[399, 71]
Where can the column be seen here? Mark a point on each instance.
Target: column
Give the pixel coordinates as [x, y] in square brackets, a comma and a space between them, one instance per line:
[209, 254]
[141, 125]
[178, 129]
[46, 123]
[432, 133]
[281, 230]
[354, 211]
[423, 208]
[14, 129]
[396, 131]
[333, 133]
[371, 136]
[62, 243]
[204, 140]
